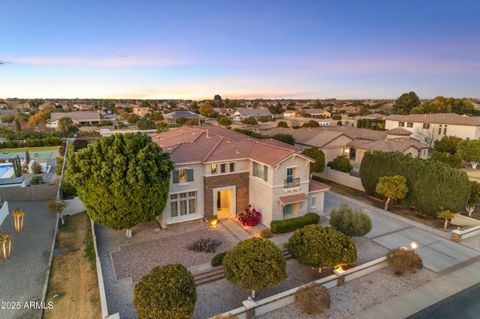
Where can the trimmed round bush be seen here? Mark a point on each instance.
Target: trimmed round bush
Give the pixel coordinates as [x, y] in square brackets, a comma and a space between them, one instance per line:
[312, 299]
[322, 247]
[341, 163]
[350, 222]
[255, 264]
[291, 224]
[401, 260]
[266, 233]
[166, 292]
[217, 260]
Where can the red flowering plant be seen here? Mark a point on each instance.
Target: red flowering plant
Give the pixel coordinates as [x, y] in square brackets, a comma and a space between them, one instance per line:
[250, 216]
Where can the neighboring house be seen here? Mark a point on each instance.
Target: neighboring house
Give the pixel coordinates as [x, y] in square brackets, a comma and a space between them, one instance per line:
[140, 111]
[318, 113]
[78, 118]
[290, 113]
[244, 112]
[172, 117]
[220, 172]
[397, 140]
[430, 127]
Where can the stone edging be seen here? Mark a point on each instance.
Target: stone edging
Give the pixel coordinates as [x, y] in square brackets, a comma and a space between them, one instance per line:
[50, 259]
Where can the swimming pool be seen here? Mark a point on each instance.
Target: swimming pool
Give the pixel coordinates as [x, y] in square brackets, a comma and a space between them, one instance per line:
[4, 168]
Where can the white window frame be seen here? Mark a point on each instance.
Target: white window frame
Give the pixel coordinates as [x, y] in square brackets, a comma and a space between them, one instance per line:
[177, 200]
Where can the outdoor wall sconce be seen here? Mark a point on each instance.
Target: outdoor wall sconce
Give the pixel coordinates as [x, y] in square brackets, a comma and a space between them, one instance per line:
[18, 218]
[6, 241]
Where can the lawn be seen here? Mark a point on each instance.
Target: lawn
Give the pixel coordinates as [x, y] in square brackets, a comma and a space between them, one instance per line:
[473, 174]
[30, 149]
[73, 285]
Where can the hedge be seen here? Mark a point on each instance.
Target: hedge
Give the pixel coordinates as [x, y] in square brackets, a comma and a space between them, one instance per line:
[433, 186]
[291, 224]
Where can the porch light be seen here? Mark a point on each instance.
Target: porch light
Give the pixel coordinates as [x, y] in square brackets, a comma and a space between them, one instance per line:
[18, 218]
[339, 270]
[6, 241]
[213, 222]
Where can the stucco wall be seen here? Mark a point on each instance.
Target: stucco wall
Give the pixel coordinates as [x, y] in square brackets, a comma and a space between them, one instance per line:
[341, 178]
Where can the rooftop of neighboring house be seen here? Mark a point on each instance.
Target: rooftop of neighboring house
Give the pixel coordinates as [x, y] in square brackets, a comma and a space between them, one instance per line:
[261, 111]
[183, 114]
[211, 143]
[79, 116]
[399, 131]
[438, 118]
[316, 111]
[389, 145]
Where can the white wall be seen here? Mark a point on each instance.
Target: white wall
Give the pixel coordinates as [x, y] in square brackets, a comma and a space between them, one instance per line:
[319, 202]
[3, 212]
[462, 131]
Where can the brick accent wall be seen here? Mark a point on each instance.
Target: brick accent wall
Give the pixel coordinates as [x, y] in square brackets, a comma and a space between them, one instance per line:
[239, 180]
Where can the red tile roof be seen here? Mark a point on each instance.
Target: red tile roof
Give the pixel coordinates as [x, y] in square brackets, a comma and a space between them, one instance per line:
[210, 143]
[292, 198]
[315, 186]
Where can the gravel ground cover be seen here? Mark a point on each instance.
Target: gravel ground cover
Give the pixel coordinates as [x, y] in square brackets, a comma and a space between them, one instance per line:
[360, 294]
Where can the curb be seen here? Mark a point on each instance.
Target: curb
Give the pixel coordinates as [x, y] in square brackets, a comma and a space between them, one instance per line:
[50, 259]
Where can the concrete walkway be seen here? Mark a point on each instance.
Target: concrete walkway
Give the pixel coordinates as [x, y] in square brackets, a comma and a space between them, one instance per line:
[413, 301]
[391, 231]
[235, 229]
[22, 277]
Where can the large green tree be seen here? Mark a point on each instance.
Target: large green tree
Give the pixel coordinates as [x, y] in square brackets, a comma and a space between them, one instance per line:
[123, 180]
[474, 198]
[470, 152]
[166, 292]
[447, 144]
[255, 264]
[319, 157]
[406, 102]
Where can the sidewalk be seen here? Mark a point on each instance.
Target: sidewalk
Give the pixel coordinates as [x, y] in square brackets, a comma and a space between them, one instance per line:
[413, 301]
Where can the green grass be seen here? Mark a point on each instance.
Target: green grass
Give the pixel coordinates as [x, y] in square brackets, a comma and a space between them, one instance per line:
[90, 250]
[30, 149]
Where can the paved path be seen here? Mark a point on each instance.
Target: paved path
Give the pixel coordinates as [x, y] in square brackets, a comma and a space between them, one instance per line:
[23, 276]
[411, 302]
[463, 305]
[438, 254]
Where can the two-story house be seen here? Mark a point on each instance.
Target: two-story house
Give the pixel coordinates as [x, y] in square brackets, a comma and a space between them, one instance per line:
[220, 172]
[430, 127]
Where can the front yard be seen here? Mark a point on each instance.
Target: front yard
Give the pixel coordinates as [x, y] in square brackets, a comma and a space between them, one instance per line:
[73, 285]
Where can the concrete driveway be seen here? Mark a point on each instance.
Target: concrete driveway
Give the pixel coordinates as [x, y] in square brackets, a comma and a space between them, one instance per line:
[23, 276]
[438, 254]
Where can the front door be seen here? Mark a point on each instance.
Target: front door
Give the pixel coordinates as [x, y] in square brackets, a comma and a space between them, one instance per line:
[225, 202]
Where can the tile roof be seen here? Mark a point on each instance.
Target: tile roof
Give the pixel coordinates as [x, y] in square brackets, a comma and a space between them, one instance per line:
[399, 131]
[211, 143]
[315, 186]
[438, 118]
[77, 116]
[292, 198]
[244, 111]
[184, 114]
[389, 145]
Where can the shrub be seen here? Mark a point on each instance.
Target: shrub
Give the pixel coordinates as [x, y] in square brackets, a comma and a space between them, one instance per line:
[282, 124]
[67, 187]
[36, 180]
[207, 245]
[321, 247]
[264, 119]
[401, 260]
[452, 160]
[312, 299]
[340, 163]
[165, 292]
[291, 224]
[250, 216]
[319, 157]
[250, 121]
[36, 168]
[58, 165]
[217, 260]
[266, 233]
[285, 138]
[255, 264]
[350, 222]
[432, 186]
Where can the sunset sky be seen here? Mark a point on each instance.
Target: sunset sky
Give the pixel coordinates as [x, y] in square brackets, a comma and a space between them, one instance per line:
[239, 49]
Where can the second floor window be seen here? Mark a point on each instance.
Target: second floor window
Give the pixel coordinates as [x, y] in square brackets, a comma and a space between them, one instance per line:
[401, 124]
[409, 124]
[290, 174]
[232, 167]
[223, 168]
[260, 171]
[426, 126]
[182, 175]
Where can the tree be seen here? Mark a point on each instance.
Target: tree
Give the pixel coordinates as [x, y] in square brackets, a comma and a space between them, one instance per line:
[454, 161]
[57, 207]
[224, 120]
[321, 247]
[27, 157]
[250, 121]
[146, 124]
[166, 292]
[206, 109]
[282, 124]
[17, 166]
[392, 188]
[447, 144]
[311, 123]
[264, 119]
[276, 108]
[406, 102]
[38, 119]
[285, 138]
[65, 125]
[123, 180]
[474, 198]
[470, 152]
[350, 222]
[447, 216]
[319, 159]
[341, 163]
[255, 264]
[36, 168]
[217, 100]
